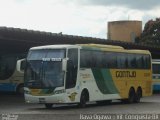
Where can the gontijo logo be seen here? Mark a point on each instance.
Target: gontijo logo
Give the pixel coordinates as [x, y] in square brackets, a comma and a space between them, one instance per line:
[125, 74]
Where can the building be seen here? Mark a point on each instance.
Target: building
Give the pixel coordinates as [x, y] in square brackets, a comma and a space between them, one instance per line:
[125, 31]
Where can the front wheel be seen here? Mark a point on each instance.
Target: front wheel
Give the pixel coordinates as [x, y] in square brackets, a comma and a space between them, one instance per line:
[48, 105]
[83, 100]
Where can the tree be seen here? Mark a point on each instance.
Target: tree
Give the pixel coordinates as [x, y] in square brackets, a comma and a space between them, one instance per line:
[151, 33]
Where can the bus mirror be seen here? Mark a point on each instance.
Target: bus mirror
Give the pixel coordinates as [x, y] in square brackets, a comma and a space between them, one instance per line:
[21, 65]
[64, 64]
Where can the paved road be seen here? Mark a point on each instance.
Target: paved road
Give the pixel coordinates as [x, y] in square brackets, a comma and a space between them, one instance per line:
[11, 104]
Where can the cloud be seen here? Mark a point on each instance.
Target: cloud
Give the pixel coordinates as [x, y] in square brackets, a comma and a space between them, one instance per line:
[54, 16]
[131, 4]
[74, 17]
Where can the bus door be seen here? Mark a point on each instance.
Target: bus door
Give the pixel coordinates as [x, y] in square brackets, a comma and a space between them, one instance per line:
[71, 74]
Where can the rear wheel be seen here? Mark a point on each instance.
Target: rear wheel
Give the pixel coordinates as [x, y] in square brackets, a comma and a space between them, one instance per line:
[138, 95]
[48, 105]
[131, 96]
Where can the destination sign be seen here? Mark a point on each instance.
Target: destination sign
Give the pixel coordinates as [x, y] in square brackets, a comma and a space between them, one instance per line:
[52, 59]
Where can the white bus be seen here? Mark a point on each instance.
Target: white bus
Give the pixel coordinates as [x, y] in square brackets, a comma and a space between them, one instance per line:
[11, 73]
[83, 73]
[156, 75]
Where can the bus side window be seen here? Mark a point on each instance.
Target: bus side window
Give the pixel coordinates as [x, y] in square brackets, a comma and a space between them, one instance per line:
[147, 61]
[72, 66]
[23, 65]
[7, 66]
[156, 68]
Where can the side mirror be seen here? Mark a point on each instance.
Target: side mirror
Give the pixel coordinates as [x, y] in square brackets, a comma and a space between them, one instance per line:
[64, 64]
[21, 65]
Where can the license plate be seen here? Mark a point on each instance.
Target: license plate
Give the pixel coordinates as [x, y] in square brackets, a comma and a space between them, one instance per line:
[42, 100]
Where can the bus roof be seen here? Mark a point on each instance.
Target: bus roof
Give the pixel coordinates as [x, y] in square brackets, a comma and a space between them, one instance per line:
[114, 48]
[76, 45]
[52, 47]
[92, 46]
[155, 61]
[102, 46]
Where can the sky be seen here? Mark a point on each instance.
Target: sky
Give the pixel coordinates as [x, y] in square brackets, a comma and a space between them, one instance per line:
[75, 17]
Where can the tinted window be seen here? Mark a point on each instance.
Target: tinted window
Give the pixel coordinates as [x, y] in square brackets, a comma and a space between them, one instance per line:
[111, 58]
[122, 61]
[39, 54]
[72, 66]
[101, 59]
[97, 59]
[8, 65]
[23, 65]
[139, 61]
[156, 68]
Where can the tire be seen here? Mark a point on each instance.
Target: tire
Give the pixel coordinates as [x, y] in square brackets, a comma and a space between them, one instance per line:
[48, 105]
[20, 89]
[138, 95]
[83, 99]
[131, 96]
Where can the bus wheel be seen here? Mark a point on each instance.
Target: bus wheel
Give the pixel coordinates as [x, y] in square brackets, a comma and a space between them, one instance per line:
[84, 98]
[48, 105]
[20, 89]
[138, 95]
[131, 96]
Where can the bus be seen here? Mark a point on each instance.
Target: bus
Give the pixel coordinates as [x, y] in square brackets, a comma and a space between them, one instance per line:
[156, 75]
[11, 78]
[78, 74]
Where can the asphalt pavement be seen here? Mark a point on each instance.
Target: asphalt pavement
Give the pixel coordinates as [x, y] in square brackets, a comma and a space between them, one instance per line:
[13, 107]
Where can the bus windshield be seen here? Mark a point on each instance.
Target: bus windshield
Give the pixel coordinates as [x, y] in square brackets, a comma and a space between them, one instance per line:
[44, 69]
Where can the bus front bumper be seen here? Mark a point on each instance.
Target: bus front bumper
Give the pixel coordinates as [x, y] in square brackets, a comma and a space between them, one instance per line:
[59, 98]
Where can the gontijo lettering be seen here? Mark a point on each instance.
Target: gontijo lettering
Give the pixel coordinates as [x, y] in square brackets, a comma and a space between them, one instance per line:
[125, 73]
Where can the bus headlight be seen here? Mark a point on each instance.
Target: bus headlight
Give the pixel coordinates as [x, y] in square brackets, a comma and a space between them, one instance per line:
[27, 92]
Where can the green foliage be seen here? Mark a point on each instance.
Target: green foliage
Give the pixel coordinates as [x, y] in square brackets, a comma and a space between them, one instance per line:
[151, 33]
